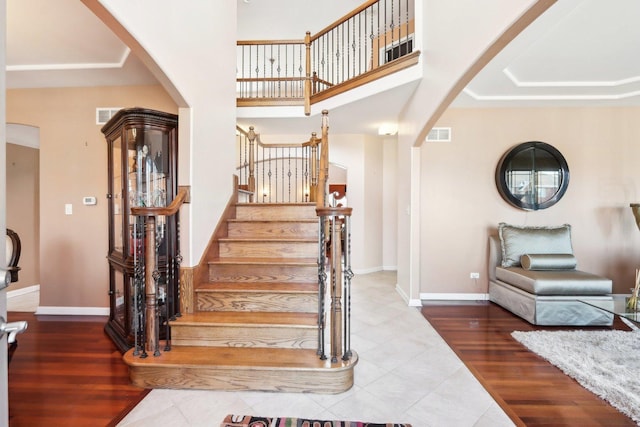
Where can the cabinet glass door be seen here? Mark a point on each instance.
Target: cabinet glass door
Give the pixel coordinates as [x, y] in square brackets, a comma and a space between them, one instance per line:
[117, 202]
[148, 163]
[119, 298]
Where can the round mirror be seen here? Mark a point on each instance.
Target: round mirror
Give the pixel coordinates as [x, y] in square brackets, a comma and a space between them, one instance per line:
[532, 175]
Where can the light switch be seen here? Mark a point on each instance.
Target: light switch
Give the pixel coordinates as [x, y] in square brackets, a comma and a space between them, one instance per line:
[68, 209]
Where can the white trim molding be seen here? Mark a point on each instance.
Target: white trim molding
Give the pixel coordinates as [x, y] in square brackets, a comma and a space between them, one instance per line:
[366, 270]
[602, 83]
[25, 135]
[76, 66]
[410, 302]
[23, 291]
[453, 297]
[74, 311]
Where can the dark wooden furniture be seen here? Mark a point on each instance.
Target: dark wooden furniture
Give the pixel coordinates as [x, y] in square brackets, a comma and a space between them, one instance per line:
[142, 167]
[13, 258]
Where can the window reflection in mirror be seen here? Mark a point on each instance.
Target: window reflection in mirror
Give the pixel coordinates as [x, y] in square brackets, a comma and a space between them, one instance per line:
[532, 175]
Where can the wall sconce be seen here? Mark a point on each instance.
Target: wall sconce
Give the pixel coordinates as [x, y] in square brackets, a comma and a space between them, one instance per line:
[388, 129]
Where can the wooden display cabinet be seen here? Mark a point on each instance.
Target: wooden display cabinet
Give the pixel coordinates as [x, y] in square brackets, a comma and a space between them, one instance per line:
[142, 167]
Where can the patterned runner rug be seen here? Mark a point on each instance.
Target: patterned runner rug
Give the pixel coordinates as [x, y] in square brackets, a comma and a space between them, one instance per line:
[251, 421]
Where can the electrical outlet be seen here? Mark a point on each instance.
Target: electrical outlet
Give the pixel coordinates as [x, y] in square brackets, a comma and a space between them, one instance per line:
[474, 275]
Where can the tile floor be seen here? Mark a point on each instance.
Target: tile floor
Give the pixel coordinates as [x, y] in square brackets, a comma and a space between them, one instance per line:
[406, 373]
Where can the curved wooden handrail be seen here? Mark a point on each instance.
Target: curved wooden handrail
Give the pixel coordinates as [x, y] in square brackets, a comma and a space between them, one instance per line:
[311, 141]
[333, 211]
[343, 19]
[172, 209]
[267, 42]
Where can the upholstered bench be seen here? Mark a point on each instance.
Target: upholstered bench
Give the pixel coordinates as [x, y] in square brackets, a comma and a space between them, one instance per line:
[532, 273]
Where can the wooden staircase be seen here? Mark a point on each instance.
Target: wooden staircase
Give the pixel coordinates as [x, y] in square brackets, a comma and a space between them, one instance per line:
[254, 326]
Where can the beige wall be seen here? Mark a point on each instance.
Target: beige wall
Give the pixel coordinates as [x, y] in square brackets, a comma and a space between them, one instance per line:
[173, 38]
[460, 205]
[362, 157]
[389, 203]
[23, 212]
[459, 37]
[73, 164]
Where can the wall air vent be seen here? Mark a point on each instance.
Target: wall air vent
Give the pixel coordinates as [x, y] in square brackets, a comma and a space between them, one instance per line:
[439, 135]
[103, 115]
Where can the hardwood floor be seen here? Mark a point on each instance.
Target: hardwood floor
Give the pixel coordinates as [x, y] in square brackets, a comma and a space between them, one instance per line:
[529, 389]
[65, 371]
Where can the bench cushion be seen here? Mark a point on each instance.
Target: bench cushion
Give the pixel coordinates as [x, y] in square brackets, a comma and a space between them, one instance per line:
[548, 262]
[554, 282]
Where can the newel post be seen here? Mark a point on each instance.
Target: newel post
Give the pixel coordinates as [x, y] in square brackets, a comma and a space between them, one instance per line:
[323, 173]
[150, 287]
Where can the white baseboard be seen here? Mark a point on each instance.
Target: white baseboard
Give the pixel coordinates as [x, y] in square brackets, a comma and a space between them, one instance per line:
[74, 311]
[367, 270]
[23, 291]
[410, 302]
[454, 297]
[389, 268]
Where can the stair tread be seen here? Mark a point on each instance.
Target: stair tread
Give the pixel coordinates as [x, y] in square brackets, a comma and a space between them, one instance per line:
[258, 287]
[265, 261]
[235, 357]
[270, 239]
[304, 220]
[277, 204]
[247, 318]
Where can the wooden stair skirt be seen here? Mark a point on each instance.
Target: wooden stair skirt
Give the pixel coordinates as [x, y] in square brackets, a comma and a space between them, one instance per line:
[255, 325]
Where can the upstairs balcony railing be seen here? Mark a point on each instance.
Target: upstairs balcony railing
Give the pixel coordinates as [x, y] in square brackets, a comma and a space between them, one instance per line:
[283, 173]
[372, 41]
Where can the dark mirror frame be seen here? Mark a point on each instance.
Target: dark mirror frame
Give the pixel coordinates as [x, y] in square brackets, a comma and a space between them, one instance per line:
[504, 166]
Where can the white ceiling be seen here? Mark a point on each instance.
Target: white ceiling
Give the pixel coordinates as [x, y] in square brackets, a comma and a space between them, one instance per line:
[61, 43]
[580, 52]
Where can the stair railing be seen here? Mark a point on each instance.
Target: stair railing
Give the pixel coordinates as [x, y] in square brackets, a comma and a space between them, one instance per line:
[334, 276]
[283, 173]
[371, 42]
[334, 262]
[154, 304]
[258, 160]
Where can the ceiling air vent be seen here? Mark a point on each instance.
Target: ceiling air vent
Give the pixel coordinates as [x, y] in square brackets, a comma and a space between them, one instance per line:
[439, 135]
[103, 115]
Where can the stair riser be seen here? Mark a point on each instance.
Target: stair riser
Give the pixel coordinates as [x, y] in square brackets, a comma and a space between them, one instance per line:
[262, 273]
[258, 249]
[257, 301]
[245, 336]
[242, 379]
[262, 211]
[273, 230]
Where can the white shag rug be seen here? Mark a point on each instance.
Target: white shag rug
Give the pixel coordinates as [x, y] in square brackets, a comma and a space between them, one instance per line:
[605, 362]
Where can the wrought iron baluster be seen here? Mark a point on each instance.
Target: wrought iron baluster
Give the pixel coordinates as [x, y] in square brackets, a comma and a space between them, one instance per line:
[322, 283]
[156, 279]
[289, 173]
[348, 275]
[269, 174]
